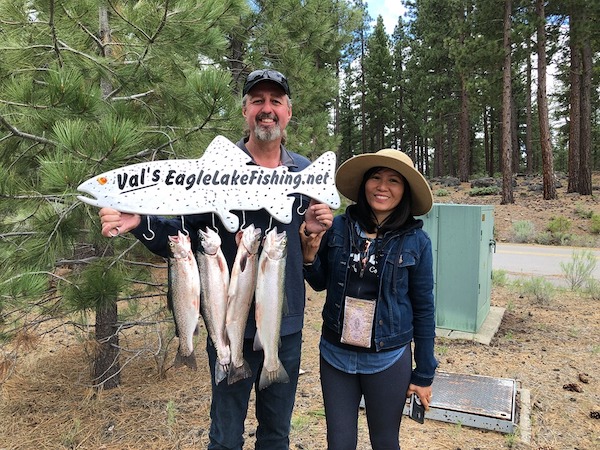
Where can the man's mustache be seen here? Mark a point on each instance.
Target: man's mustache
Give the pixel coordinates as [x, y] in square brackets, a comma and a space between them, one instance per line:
[267, 116]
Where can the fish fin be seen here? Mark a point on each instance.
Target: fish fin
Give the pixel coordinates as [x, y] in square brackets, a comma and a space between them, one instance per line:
[239, 373]
[220, 372]
[283, 213]
[189, 361]
[277, 376]
[257, 346]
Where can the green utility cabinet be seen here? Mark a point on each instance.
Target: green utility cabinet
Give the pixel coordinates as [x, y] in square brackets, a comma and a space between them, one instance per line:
[462, 238]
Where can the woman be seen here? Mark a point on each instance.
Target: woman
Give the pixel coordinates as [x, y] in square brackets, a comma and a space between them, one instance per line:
[376, 264]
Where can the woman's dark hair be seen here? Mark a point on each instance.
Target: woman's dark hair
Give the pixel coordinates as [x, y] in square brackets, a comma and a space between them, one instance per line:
[363, 214]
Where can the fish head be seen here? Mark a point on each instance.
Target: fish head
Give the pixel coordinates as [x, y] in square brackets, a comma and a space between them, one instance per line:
[179, 246]
[210, 241]
[251, 239]
[275, 244]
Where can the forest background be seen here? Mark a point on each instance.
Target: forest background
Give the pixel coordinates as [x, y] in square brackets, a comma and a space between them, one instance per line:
[88, 86]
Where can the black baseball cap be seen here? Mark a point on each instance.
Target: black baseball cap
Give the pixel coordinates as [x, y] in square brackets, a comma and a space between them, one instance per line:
[257, 76]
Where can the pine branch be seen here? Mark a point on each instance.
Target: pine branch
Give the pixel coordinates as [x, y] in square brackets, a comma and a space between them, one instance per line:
[24, 135]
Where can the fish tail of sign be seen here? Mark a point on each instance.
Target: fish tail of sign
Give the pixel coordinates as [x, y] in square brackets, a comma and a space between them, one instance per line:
[188, 361]
[267, 378]
[239, 373]
[320, 182]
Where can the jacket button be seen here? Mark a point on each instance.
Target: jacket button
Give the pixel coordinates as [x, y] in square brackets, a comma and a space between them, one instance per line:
[381, 344]
[381, 322]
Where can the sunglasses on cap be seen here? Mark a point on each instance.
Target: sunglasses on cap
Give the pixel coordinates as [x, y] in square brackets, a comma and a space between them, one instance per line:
[266, 75]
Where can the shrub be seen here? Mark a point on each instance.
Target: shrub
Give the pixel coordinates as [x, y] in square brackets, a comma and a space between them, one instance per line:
[595, 226]
[489, 190]
[442, 193]
[499, 277]
[538, 288]
[593, 288]
[559, 225]
[523, 230]
[579, 270]
[583, 213]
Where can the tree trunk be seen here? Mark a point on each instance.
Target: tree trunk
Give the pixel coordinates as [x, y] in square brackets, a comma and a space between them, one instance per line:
[575, 103]
[507, 188]
[585, 162]
[514, 134]
[463, 132]
[106, 359]
[486, 143]
[528, 117]
[547, 158]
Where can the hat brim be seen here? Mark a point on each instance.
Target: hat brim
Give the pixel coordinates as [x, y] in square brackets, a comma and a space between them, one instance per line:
[349, 175]
[249, 86]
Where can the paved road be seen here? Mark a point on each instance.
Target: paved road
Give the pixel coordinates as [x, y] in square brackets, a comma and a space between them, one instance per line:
[527, 260]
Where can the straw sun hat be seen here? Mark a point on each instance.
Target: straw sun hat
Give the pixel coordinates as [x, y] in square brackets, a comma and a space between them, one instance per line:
[349, 175]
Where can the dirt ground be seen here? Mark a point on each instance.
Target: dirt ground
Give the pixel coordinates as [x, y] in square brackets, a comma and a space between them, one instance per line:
[552, 348]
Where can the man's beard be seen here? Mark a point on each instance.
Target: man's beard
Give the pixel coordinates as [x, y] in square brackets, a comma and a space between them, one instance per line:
[267, 135]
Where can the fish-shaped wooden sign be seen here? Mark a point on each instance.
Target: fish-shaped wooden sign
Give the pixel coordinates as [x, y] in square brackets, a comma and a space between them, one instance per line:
[221, 181]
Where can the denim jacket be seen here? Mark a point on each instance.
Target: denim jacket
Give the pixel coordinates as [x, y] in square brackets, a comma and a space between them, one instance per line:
[405, 308]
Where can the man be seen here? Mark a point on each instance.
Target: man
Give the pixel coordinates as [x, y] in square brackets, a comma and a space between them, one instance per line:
[267, 109]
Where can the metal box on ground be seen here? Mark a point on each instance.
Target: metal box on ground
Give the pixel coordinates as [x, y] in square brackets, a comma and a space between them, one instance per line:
[462, 238]
[474, 400]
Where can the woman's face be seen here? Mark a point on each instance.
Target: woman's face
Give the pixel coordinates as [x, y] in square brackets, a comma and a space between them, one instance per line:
[384, 190]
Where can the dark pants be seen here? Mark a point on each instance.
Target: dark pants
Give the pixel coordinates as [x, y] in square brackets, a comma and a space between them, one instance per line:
[273, 405]
[385, 396]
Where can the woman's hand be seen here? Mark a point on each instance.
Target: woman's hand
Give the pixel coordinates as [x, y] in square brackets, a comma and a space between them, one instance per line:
[423, 392]
[115, 222]
[310, 243]
[318, 217]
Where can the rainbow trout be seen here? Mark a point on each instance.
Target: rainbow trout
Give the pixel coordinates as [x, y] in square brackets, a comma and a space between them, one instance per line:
[183, 297]
[241, 291]
[269, 300]
[214, 278]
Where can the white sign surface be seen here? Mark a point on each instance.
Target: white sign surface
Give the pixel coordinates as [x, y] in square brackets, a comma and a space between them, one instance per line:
[221, 181]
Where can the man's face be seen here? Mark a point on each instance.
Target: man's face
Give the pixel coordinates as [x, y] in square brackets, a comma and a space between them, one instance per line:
[267, 111]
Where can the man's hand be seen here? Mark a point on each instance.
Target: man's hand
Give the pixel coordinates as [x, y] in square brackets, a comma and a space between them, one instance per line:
[115, 222]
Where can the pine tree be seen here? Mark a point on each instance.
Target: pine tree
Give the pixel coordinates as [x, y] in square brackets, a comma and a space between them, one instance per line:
[82, 95]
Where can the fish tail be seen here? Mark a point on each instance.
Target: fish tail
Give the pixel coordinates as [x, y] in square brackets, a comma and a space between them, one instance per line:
[220, 371]
[239, 373]
[276, 376]
[189, 361]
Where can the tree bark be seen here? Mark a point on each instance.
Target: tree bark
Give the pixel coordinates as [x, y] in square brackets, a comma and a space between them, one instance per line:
[585, 162]
[507, 188]
[542, 98]
[574, 103]
[106, 360]
[528, 117]
[106, 367]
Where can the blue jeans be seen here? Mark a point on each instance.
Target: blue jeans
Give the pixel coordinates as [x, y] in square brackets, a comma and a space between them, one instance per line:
[274, 404]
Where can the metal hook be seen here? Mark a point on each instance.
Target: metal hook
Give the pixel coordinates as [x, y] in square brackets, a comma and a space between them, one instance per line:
[187, 233]
[243, 220]
[152, 234]
[300, 206]
[270, 225]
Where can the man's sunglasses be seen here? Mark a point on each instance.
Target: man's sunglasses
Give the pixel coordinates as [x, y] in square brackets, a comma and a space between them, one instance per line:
[266, 74]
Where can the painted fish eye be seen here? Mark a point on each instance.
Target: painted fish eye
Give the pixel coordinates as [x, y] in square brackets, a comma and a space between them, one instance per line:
[102, 180]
